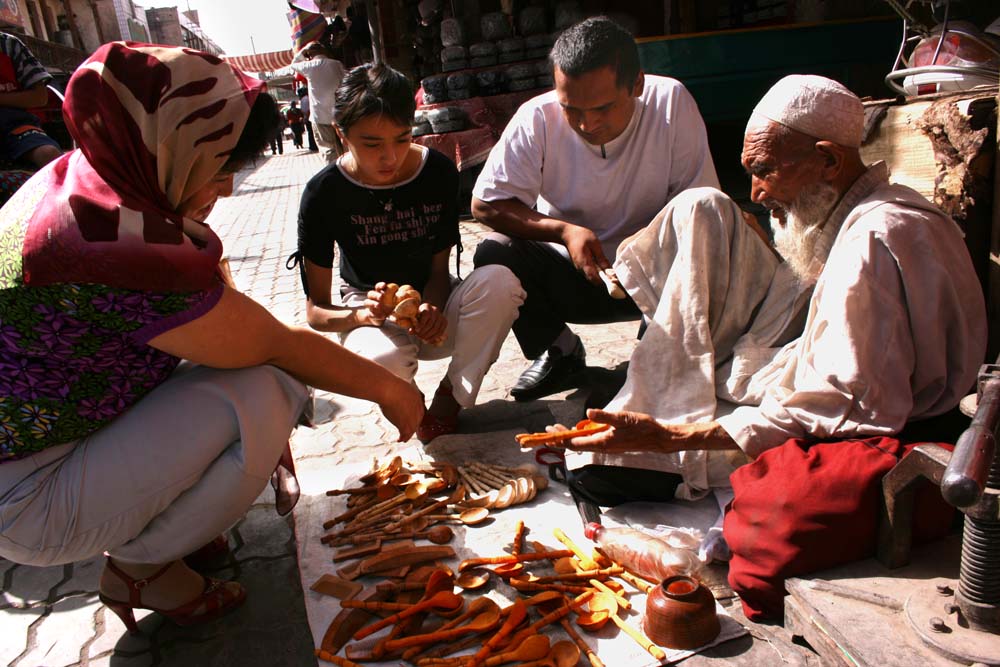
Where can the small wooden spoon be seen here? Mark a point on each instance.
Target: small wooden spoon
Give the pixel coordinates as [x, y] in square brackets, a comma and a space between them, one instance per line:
[473, 579]
[485, 500]
[401, 479]
[505, 496]
[601, 606]
[439, 534]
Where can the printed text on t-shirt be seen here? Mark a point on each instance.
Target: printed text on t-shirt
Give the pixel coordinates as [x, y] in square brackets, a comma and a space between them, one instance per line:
[395, 226]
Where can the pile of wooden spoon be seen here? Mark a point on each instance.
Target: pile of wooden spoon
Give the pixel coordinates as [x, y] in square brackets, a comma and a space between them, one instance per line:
[498, 487]
[398, 502]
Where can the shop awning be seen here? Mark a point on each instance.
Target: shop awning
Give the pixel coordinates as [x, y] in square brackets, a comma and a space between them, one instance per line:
[262, 62]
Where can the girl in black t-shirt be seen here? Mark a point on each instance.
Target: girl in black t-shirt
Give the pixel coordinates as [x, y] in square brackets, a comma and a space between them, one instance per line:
[390, 207]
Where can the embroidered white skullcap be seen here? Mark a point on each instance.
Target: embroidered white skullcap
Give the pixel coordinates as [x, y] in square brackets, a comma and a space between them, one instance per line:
[813, 105]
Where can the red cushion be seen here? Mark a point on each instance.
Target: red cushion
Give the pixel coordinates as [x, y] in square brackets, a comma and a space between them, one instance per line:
[805, 507]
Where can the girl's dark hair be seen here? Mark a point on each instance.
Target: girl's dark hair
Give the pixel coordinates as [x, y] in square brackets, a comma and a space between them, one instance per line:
[373, 89]
[260, 127]
[595, 43]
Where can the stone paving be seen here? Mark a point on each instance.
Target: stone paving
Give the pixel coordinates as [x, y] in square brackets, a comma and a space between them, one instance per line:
[51, 617]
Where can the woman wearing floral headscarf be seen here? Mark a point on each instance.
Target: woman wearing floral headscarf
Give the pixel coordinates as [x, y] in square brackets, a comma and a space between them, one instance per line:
[108, 278]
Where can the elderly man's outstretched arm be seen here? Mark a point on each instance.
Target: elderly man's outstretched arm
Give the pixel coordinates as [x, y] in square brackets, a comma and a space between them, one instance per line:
[636, 431]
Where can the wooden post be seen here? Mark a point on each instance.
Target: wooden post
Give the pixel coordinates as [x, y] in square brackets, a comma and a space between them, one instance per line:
[375, 27]
[51, 27]
[97, 22]
[993, 290]
[36, 24]
[73, 28]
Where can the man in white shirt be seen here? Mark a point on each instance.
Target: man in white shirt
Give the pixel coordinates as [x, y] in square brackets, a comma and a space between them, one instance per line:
[324, 75]
[875, 318]
[577, 170]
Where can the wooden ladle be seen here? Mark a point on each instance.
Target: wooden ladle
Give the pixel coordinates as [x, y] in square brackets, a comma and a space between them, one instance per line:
[534, 647]
[562, 654]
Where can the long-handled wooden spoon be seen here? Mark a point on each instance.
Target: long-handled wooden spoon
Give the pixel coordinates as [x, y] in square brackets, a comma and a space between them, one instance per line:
[478, 606]
[481, 623]
[443, 600]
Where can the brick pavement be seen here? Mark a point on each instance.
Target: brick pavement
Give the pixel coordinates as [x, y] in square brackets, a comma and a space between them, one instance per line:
[51, 616]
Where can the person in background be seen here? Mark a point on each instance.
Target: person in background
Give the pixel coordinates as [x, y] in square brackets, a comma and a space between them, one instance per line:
[109, 278]
[391, 208]
[23, 86]
[576, 171]
[296, 121]
[278, 138]
[324, 74]
[306, 106]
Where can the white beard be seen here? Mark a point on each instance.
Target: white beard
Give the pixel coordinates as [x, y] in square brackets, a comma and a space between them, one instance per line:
[796, 240]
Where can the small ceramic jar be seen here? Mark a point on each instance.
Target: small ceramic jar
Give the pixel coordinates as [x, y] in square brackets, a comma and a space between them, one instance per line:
[680, 614]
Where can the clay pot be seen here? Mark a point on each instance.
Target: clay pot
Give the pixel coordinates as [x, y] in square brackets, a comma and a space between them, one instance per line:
[680, 614]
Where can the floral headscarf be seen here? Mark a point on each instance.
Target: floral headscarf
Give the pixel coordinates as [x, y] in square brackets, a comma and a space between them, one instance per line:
[154, 125]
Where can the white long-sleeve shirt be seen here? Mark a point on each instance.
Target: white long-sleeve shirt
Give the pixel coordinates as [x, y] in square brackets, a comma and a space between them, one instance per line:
[614, 189]
[324, 76]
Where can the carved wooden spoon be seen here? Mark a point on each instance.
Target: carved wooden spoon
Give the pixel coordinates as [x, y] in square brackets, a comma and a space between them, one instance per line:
[444, 601]
[472, 579]
[534, 647]
[484, 621]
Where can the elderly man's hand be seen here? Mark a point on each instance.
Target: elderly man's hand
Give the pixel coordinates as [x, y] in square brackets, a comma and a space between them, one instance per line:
[639, 432]
[585, 251]
[630, 432]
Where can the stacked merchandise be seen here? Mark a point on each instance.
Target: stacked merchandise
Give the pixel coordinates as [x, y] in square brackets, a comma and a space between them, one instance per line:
[446, 119]
[454, 55]
[421, 124]
[521, 44]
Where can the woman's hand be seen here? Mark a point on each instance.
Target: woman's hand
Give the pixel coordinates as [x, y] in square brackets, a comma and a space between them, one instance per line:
[403, 405]
[431, 326]
[585, 250]
[375, 310]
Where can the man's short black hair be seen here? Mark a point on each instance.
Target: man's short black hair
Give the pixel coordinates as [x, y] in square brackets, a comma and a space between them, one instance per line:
[595, 43]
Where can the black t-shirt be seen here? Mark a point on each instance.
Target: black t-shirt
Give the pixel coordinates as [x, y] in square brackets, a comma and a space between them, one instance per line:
[384, 233]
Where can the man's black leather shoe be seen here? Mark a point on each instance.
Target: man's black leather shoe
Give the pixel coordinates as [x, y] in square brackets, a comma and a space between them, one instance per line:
[549, 373]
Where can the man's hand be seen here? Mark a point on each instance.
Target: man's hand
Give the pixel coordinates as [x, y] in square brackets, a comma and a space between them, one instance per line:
[431, 326]
[629, 432]
[639, 432]
[585, 251]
